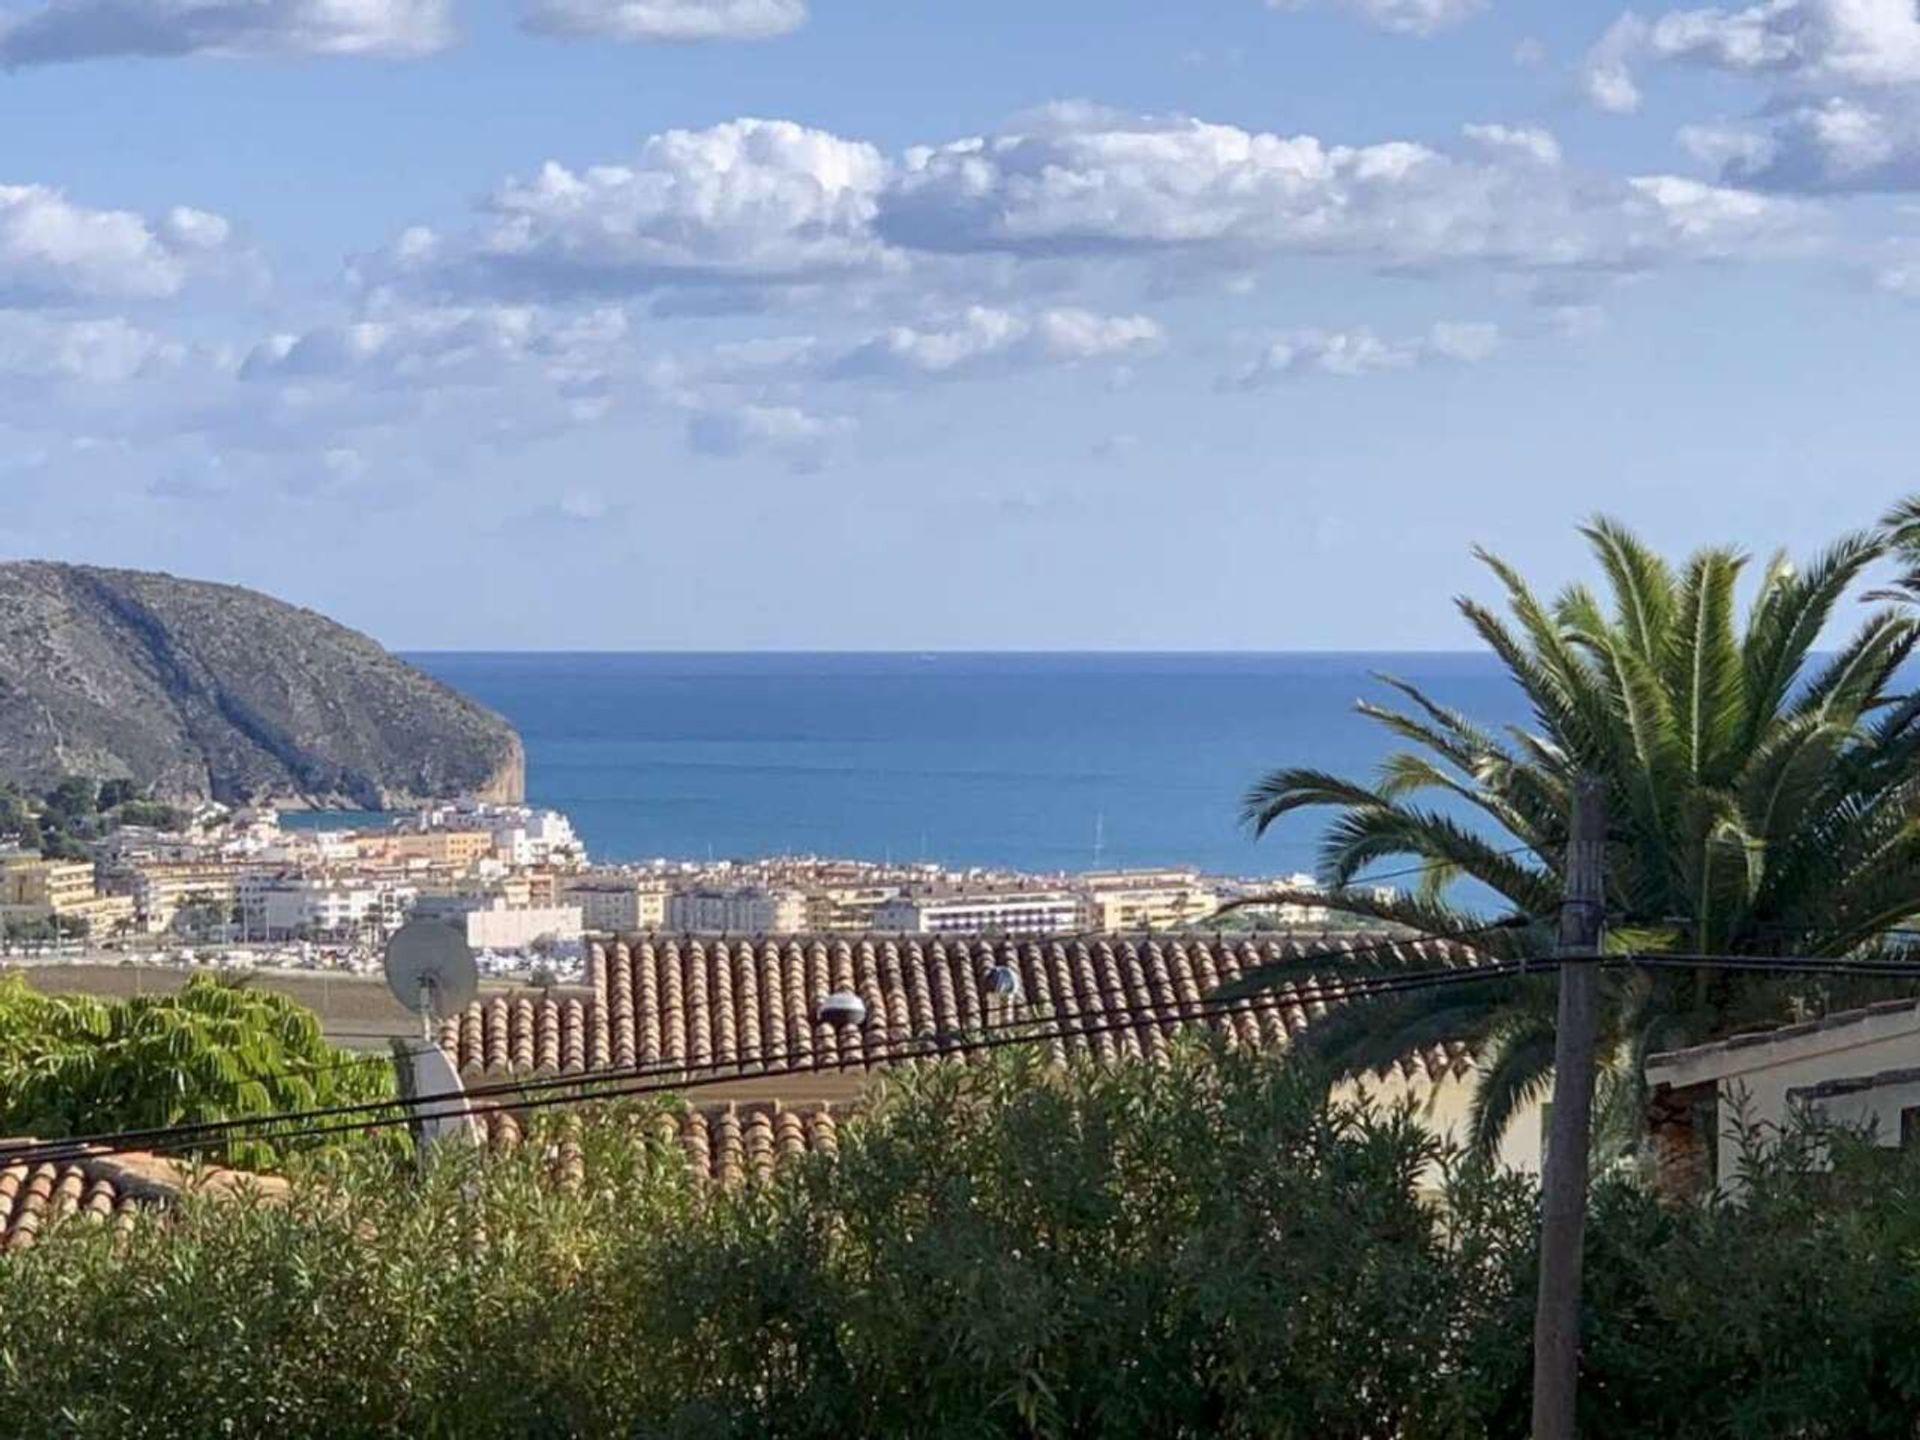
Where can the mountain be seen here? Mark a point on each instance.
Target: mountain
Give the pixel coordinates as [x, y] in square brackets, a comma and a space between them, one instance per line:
[214, 692]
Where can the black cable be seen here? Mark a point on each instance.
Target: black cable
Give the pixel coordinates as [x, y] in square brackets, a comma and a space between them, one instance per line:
[1308, 990]
[212, 1128]
[925, 1046]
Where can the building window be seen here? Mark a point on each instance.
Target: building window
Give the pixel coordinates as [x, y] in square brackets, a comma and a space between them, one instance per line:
[1910, 1127]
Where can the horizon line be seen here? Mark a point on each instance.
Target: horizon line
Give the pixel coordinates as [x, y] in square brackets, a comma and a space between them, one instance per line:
[914, 652]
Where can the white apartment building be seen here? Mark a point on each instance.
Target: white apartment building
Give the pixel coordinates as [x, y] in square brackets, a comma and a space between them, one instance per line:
[278, 907]
[740, 910]
[161, 891]
[1012, 912]
[617, 904]
[493, 922]
[538, 837]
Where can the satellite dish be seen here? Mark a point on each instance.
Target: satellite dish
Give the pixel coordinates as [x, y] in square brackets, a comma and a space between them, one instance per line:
[430, 969]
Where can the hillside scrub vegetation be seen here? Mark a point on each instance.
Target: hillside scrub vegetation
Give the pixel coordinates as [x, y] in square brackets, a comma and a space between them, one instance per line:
[1205, 1248]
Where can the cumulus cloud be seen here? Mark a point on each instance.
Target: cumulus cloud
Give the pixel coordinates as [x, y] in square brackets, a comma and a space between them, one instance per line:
[53, 251]
[666, 20]
[93, 352]
[1360, 351]
[990, 341]
[1075, 180]
[1402, 17]
[87, 29]
[755, 201]
[1807, 45]
[1835, 145]
[1844, 114]
[440, 345]
[755, 214]
[799, 438]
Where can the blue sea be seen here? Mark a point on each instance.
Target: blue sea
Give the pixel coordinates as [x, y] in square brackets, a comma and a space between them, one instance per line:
[1037, 761]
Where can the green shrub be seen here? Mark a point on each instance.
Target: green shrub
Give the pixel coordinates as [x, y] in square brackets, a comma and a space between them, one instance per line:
[998, 1250]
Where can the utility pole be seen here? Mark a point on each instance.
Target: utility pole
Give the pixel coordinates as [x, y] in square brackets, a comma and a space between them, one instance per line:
[1563, 1200]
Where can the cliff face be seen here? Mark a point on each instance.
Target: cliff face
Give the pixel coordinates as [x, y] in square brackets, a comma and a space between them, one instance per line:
[211, 691]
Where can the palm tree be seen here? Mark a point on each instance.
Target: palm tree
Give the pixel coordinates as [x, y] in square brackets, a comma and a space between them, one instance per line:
[1761, 800]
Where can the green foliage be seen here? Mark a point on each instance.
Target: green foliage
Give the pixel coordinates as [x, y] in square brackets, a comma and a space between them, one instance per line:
[1759, 800]
[150, 813]
[214, 1050]
[75, 798]
[1208, 1249]
[60, 823]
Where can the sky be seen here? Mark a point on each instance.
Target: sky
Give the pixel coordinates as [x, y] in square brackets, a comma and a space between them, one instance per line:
[886, 324]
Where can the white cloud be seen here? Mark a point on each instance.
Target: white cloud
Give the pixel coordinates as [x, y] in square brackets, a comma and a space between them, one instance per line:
[1805, 45]
[53, 251]
[985, 340]
[1606, 74]
[1360, 351]
[799, 438]
[1518, 141]
[1402, 17]
[1844, 114]
[95, 352]
[1833, 145]
[755, 215]
[1087, 182]
[666, 20]
[86, 29]
[754, 201]
[447, 345]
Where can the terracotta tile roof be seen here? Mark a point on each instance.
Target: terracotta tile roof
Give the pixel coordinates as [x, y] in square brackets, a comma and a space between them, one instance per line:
[704, 1000]
[103, 1186]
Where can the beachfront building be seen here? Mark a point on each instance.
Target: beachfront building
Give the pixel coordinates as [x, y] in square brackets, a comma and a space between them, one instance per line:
[737, 910]
[456, 850]
[291, 906]
[538, 837]
[613, 903]
[181, 895]
[492, 922]
[1008, 912]
[32, 885]
[847, 909]
[1124, 901]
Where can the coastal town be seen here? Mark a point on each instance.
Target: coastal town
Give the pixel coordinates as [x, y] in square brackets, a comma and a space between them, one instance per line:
[251, 887]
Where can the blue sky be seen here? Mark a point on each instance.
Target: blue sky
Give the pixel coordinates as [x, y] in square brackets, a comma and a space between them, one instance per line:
[847, 324]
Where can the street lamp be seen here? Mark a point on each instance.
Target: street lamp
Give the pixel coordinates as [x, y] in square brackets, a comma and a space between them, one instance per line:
[842, 1007]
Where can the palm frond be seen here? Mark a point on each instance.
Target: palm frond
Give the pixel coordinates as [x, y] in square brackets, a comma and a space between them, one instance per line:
[1516, 1073]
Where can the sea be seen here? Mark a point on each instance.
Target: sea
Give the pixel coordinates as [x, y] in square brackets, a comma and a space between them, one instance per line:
[1039, 762]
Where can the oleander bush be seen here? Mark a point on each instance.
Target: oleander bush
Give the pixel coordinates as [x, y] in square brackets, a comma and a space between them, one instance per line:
[997, 1250]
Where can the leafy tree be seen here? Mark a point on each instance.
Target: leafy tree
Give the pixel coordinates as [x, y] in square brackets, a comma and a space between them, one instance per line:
[150, 813]
[15, 814]
[75, 798]
[214, 1050]
[1760, 799]
[115, 793]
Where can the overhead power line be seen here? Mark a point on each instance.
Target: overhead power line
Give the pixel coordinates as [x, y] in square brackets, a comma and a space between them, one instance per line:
[662, 1067]
[675, 1077]
[672, 1077]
